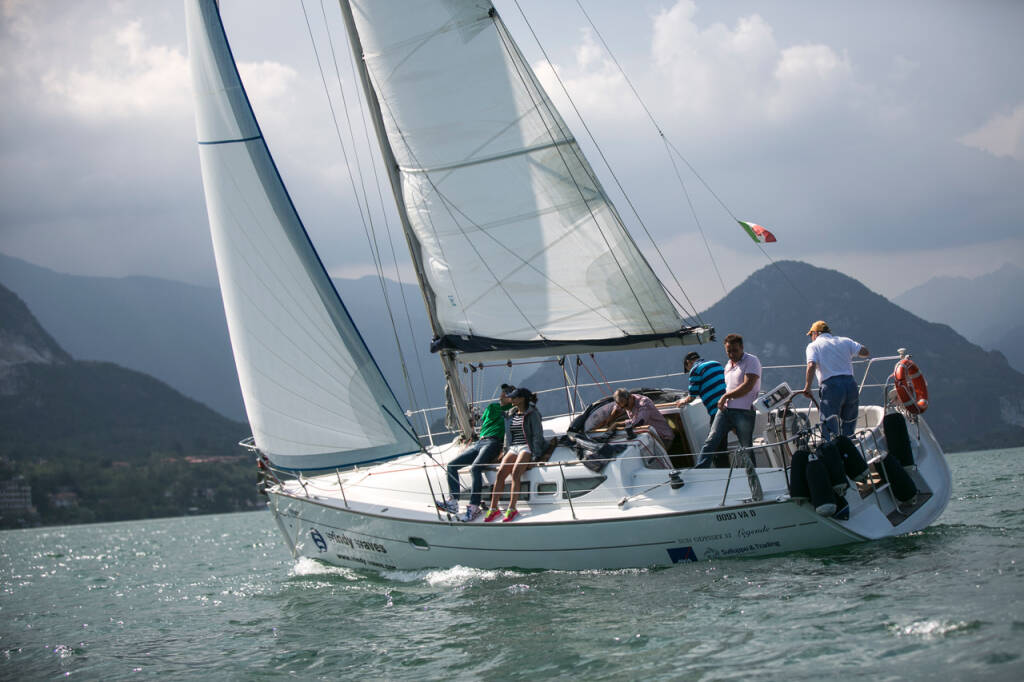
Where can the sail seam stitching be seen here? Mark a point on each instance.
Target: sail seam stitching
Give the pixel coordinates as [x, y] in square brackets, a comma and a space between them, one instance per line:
[239, 139]
[496, 157]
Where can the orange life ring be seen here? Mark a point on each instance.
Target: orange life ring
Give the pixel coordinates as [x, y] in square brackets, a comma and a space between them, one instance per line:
[911, 388]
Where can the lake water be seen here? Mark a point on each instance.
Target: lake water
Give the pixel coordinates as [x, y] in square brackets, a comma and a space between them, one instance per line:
[218, 597]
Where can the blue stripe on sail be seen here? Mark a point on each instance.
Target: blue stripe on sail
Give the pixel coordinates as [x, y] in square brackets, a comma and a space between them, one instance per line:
[278, 196]
[240, 139]
[399, 423]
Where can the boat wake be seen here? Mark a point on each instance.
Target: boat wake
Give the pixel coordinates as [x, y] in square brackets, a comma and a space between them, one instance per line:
[304, 566]
[456, 575]
[931, 629]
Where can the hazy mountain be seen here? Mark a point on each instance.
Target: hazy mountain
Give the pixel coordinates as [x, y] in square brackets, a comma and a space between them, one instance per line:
[772, 309]
[173, 331]
[177, 332]
[988, 310]
[22, 339]
[51, 404]
[977, 399]
[98, 442]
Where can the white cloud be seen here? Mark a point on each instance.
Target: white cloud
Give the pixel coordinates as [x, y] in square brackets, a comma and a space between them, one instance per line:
[127, 76]
[595, 83]
[806, 76]
[742, 73]
[712, 77]
[1002, 135]
[267, 81]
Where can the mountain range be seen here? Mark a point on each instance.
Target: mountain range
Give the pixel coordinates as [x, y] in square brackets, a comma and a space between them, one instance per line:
[177, 333]
[977, 398]
[99, 442]
[987, 310]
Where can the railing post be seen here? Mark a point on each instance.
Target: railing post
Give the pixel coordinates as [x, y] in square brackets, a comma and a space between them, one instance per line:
[341, 488]
[728, 481]
[565, 490]
[432, 496]
[426, 426]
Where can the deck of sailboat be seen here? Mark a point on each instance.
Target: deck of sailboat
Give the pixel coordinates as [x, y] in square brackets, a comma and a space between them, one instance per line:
[407, 488]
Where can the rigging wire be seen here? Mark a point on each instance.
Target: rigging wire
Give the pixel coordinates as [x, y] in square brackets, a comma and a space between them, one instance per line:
[672, 147]
[527, 80]
[693, 212]
[692, 311]
[453, 209]
[360, 196]
[387, 229]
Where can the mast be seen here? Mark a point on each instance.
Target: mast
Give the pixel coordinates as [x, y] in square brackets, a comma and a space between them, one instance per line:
[451, 373]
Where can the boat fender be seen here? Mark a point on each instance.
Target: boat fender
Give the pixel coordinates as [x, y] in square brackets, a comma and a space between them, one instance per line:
[798, 475]
[903, 487]
[853, 462]
[822, 497]
[897, 437]
[911, 388]
[828, 454]
[809, 479]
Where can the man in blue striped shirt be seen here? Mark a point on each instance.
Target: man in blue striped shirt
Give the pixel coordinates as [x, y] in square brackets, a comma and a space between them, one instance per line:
[707, 382]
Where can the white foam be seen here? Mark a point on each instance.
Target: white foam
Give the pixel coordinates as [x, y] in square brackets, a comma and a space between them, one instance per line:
[456, 575]
[929, 629]
[306, 566]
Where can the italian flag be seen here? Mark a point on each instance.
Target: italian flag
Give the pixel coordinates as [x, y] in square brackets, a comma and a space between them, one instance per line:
[756, 232]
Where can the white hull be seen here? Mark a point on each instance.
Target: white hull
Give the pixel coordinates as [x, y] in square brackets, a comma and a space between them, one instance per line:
[474, 147]
[395, 526]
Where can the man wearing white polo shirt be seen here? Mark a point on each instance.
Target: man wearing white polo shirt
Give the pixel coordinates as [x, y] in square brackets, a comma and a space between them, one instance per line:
[742, 383]
[736, 409]
[831, 359]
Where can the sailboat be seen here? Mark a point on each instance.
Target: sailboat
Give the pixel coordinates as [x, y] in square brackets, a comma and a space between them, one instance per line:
[519, 253]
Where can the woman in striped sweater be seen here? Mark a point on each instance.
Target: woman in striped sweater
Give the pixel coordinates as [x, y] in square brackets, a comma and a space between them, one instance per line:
[524, 443]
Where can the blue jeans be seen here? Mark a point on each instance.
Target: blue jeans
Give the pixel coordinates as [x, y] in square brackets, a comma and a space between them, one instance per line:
[839, 402]
[729, 419]
[479, 453]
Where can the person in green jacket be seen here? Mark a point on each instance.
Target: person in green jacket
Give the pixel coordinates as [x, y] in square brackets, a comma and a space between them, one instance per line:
[483, 451]
[524, 443]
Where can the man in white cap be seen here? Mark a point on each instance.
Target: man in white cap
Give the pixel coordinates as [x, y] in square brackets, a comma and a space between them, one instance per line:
[830, 358]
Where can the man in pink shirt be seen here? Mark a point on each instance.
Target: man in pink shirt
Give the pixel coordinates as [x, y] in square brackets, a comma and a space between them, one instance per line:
[736, 407]
[641, 411]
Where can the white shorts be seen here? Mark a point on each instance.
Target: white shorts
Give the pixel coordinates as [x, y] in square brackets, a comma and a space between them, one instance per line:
[518, 450]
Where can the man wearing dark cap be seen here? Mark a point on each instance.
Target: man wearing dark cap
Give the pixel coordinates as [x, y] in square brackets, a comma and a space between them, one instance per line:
[830, 358]
[707, 382]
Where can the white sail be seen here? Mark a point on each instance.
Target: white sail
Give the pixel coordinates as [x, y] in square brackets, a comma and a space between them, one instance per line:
[515, 239]
[314, 396]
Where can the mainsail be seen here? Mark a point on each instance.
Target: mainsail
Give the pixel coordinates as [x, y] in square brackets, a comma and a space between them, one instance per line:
[314, 396]
[518, 248]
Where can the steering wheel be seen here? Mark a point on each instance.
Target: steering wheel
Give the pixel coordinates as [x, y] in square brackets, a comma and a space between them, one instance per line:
[802, 421]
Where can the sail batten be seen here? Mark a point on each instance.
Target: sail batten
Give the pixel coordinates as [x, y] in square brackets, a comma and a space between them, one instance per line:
[313, 393]
[512, 232]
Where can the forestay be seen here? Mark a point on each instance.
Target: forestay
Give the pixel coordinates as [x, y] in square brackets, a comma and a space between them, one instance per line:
[515, 239]
[313, 394]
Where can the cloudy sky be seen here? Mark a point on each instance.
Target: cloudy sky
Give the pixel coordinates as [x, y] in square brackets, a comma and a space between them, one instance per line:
[883, 139]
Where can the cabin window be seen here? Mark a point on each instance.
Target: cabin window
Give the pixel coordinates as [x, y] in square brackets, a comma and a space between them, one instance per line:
[524, 490]
[419, 543]
[549, 488]
[577, 487]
